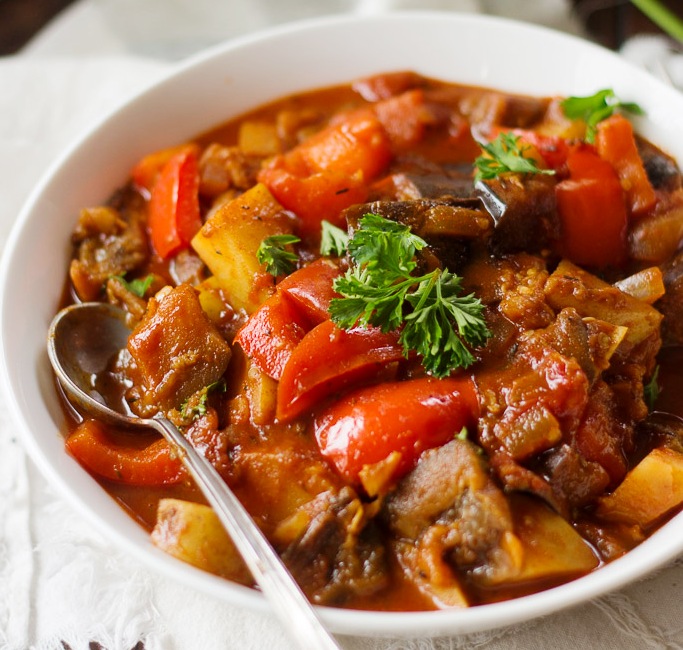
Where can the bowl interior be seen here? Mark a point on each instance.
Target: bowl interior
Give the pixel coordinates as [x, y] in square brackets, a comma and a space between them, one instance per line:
[227, 81]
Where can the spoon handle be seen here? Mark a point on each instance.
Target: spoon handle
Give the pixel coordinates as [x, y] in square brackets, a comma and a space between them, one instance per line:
[267, 569]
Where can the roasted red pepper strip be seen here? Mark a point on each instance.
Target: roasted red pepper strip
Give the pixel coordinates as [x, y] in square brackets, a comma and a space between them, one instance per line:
[272, 333]
[147, 169]
[616, 144]
[156, 464]
[592, 209]
[408, 417]
[330, 170]
[329, 359]
[310, 289]
[174, 217]
[277, 327]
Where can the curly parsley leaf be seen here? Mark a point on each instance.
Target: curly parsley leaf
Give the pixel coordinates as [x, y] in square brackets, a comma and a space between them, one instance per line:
[334, 240]
[277, 259]
[596, 108]
[138, 286]
[379, 289]
[503, 155]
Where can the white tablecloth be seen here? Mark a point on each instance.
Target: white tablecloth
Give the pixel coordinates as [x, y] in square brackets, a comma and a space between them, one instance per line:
[63, 586]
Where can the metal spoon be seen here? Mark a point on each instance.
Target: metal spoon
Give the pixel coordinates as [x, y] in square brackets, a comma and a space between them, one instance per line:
[82, 341]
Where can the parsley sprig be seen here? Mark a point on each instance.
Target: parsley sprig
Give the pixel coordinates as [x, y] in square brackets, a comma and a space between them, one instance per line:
[596, 108]
[138, 286]
[503, 155]
[333, 240]
[277, 259]
[379, 289]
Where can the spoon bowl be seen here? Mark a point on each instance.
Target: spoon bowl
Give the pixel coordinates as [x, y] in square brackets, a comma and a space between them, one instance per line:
[83, 341]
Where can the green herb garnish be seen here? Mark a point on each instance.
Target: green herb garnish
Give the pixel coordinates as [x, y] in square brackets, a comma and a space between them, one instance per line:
[197, 405]
[505, 154]
[651, 389]
[333, 240]
[138, 286]
[379, 289]
[595, 108]
[272, 253]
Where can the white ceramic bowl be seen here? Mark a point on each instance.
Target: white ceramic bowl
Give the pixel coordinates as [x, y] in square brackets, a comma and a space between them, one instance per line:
[227, 81]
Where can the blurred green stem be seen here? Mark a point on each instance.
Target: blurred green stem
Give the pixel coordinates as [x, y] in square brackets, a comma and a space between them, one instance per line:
[662, 17]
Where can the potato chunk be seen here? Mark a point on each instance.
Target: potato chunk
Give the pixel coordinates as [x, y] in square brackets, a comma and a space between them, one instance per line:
[228, 241]
[551, 548]
[176, 349]
[193, 533]
[650, 490]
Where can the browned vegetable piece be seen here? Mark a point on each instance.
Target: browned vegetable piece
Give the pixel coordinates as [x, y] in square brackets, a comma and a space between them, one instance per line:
[176, 349]
[571, 286]
[654, 239]
[193, 533]
[671, 304]
[109, 243]
[448, 507]
[223, 168]
[338, 553]
[523, 209]
[650, 490]
[446, 224]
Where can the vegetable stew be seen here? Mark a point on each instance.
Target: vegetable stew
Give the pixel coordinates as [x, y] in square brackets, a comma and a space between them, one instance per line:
[430, 334]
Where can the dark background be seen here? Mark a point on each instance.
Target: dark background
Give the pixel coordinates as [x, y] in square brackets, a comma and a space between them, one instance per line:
[609, 22]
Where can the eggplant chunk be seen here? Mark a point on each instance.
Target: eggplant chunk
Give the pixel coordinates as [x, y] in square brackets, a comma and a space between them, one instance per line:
[176, 349]
[449, 509]
[447, 224]
[339, 553]
[671, 304]
[523, 209]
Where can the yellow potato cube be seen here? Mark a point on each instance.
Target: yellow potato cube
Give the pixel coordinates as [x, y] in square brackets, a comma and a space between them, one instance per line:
[228, 241]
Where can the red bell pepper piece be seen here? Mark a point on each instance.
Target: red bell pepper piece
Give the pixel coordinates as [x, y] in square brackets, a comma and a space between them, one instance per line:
[592, 210]
[272, 333]
[329, 359]
[147, 169]
[154, 465]
[616, 144]
[276, 328]
[330, 170]
[310, 289]
[174, 217]
[404, 118]
[408, 417]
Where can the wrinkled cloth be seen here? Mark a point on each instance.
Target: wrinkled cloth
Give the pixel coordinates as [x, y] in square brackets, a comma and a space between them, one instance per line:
[64, 586]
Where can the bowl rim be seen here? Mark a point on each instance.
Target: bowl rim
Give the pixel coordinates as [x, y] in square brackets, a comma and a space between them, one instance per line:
[636, 564]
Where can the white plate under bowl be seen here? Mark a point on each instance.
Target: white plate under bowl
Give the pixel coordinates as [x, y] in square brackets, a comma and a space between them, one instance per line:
[227, 81]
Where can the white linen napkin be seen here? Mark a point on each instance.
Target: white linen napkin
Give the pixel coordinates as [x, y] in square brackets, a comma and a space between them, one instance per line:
[63, 586]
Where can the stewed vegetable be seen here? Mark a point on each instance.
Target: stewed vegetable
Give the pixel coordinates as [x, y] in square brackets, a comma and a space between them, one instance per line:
[430, 334]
